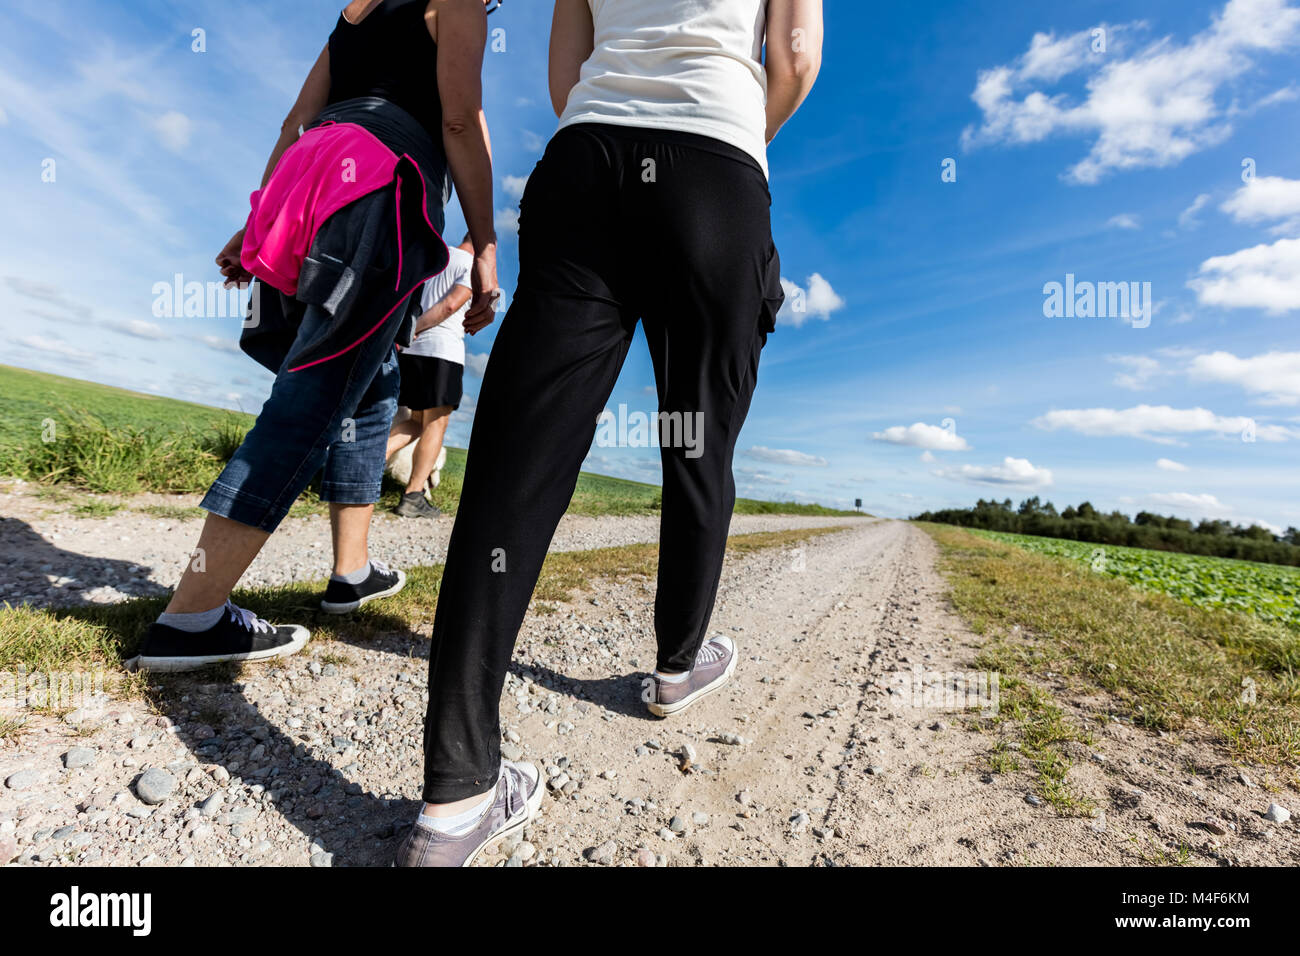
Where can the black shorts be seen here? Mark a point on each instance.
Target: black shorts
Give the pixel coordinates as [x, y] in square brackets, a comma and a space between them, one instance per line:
[429, 382]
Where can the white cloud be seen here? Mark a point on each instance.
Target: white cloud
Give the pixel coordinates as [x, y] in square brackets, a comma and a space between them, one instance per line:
[1275, 376]
[174, 131]
[1204, 506]
[1013, 471]
[1168, 464]
[921, 435]
[1267, 199]
[818, 301]
[785, 456]
[756, 477]
[44, 292]
[1124, 221]
[1153, 108]
[513, 186]
[1261, 277]
[476, 363]
[1158, 423]
[928, 457]
[1049, 58]
[221, 345]
[139, 329]
[1187, 218]
[507, 220]
[1141, 369]
[822, 299]
[41, 343]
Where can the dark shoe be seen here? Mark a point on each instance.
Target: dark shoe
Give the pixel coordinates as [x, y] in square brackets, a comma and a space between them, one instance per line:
[343, 598]
[240, 635]
[519, 797]
[713, 667]
[415, 505]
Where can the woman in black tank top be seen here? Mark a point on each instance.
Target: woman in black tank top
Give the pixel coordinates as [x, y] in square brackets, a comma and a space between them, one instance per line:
[381, 72]
[388, 50]
[390, 54]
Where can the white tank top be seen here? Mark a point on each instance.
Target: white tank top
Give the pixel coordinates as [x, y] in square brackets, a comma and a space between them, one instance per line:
[688, 65]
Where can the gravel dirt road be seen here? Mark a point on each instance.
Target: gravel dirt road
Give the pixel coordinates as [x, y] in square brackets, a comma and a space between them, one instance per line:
[817, 753]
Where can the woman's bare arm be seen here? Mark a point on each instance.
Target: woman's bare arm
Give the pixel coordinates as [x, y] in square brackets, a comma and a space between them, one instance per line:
[572, 40]
[794, 57]
[460, 30]
[312, 98]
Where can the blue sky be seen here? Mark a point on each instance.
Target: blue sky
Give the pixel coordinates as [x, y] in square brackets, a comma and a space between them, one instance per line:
[1112, 156]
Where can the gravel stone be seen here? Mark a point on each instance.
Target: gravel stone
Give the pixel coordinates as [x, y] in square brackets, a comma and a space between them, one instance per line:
[22, 779]
[154, 786]
[79, 757]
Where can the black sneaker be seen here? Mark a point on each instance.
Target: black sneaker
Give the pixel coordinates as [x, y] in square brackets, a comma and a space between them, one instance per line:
[344, 598]
[240, 635]
[415, 505]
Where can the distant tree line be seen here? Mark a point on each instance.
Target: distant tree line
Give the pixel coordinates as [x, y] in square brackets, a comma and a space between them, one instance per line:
[1221, 539]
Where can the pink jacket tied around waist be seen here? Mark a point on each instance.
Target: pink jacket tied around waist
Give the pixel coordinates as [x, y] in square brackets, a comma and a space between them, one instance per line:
[328, 167]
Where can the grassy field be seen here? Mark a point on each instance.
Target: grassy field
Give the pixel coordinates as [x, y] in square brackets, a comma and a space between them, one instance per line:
[1270, 592]
[85, 638]
[1167, 665]
[117, 442]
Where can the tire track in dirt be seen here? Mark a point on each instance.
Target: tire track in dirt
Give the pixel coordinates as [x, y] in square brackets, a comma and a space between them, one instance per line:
[792, 736]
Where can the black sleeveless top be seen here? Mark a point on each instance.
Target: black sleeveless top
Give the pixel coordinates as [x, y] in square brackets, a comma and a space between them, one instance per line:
[390, 55]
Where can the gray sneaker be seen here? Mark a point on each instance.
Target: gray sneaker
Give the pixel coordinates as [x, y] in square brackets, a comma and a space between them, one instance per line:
[415, 505]
[519, 797]
[714, 664]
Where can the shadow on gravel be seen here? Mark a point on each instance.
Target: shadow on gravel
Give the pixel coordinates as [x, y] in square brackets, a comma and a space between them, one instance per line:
[220, 726]
[23, 550]
[619, 694]
[325, 803]
[359, 827]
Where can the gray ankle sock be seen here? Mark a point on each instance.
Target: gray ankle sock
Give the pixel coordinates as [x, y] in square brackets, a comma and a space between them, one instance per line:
[353, 577]
[198, 621]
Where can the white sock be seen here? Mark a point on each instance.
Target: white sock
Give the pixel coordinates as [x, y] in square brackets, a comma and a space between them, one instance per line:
[193, 622]
[461, 822]
[353, 577]
[672, 678]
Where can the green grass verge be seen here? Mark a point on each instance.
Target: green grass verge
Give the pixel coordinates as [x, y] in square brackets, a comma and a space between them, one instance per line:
[112, 441]
[1166, 665]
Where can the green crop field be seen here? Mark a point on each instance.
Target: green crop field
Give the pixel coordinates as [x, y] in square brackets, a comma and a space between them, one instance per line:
[112, 441]
[1268, 591]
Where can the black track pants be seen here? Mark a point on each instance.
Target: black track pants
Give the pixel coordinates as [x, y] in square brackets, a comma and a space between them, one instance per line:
[616, 225]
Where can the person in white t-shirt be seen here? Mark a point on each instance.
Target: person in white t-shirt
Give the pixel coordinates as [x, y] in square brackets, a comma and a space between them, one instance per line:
[432, 370]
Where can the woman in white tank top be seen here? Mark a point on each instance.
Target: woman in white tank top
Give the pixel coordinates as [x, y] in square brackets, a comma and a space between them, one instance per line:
[651, 206]
[690, 65]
